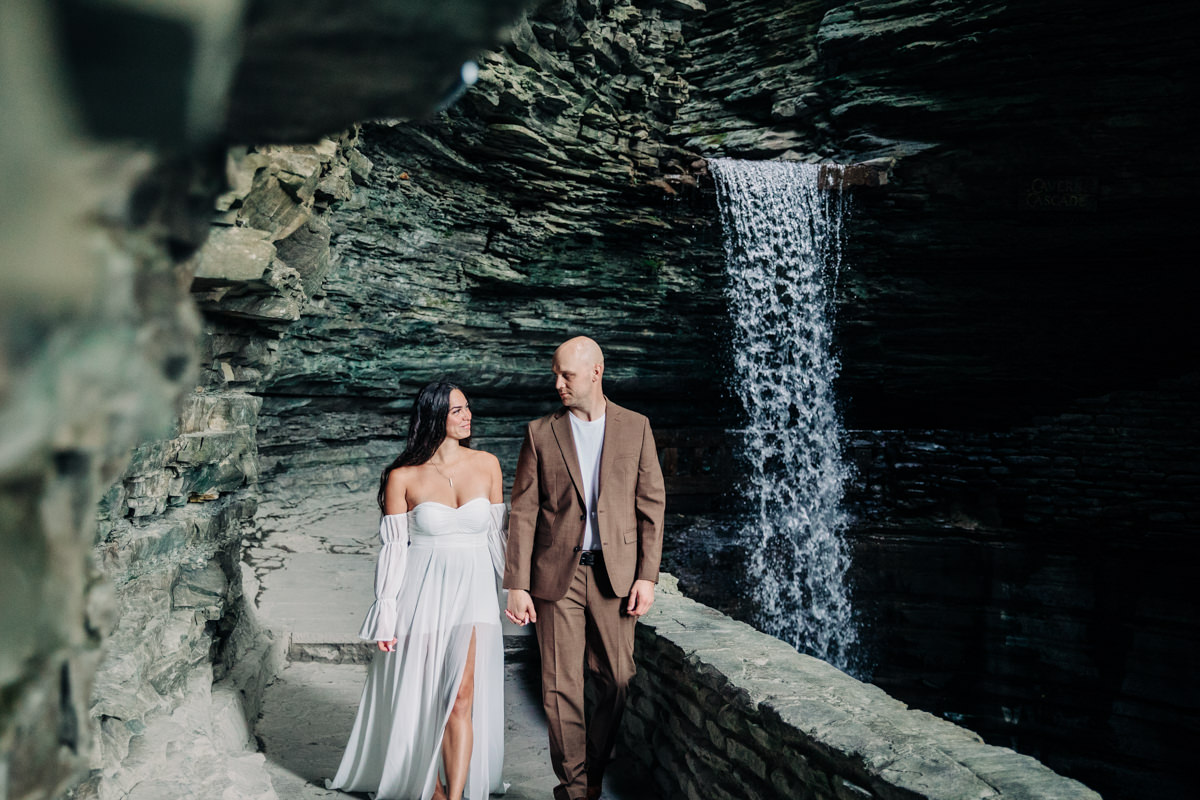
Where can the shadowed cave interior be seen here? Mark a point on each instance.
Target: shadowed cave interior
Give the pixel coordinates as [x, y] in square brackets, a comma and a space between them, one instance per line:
[218, 303]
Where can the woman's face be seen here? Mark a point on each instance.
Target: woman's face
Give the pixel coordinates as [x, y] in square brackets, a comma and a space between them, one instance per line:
[458, 421]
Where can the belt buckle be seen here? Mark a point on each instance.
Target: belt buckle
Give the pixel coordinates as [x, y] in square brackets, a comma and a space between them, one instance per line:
[587, 558]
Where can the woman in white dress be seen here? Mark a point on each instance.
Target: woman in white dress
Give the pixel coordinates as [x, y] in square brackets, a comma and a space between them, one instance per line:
[431, 720]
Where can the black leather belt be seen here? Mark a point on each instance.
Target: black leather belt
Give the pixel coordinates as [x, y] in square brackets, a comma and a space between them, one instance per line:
[589, 557]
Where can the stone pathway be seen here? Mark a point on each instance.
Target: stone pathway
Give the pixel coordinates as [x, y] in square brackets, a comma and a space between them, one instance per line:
[308, 711]
[315, 568]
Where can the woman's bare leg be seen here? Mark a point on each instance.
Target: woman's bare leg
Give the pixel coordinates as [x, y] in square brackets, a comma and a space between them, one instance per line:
[459, 737]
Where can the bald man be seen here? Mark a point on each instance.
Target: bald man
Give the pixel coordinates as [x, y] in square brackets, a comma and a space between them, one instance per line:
[584, 543]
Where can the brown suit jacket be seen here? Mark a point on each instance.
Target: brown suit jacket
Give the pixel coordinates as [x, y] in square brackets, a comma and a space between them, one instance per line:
[546, 523]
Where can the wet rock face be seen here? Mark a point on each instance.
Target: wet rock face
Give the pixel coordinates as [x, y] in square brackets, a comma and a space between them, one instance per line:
[984, 283]
[443, 274]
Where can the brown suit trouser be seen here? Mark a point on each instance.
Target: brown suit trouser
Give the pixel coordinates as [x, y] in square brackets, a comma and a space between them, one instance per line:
[590, 623]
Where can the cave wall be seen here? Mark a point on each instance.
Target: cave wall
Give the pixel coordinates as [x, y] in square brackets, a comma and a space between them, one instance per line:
[186, 653]
[1025, 250]
[95, 350]
[535, 209]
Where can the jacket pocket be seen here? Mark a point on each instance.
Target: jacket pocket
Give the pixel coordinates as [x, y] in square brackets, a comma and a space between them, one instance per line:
[630, 536]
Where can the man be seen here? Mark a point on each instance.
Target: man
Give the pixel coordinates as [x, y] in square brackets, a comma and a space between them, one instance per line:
[584, 543]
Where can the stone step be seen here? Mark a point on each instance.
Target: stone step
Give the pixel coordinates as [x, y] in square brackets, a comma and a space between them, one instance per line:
[356, 652]
[517, 647]
[317, 597]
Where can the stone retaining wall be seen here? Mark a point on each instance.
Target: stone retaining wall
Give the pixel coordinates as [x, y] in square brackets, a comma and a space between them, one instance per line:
[719, 710]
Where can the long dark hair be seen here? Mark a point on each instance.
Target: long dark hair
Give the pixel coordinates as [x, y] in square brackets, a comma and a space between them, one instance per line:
[426, 431]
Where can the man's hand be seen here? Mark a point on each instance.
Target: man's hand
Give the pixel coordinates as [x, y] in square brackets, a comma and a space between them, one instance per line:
[641, 597]
[387, 647]
[520, 607]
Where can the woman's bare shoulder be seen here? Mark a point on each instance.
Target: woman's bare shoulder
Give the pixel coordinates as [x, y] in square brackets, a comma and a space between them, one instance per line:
[485, 460]
[484, 455]
[402, 474]
[401, 477]
[395, 494]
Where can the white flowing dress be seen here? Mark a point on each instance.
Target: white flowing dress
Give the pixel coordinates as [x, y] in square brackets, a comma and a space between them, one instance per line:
[434, 584]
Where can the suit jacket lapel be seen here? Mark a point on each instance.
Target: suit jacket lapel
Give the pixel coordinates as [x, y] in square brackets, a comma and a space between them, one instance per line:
[608, 454]
[566, 444]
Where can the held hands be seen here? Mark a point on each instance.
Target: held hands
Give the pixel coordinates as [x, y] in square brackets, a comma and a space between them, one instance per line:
[387, 647]
[641, 597]
[520, 607]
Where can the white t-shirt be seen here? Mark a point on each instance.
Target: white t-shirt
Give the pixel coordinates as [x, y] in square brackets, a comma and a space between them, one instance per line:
[589, 441]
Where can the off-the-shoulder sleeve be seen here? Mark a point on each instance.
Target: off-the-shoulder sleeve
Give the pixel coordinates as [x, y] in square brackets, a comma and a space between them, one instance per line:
[380, 624]
[498, 536]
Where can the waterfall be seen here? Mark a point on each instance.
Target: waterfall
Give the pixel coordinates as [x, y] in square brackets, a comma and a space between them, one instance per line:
[782, 232]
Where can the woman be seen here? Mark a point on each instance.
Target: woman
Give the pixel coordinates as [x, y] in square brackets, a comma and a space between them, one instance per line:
[431, 718]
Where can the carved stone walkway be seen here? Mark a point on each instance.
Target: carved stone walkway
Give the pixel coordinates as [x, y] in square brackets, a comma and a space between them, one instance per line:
[314, 567]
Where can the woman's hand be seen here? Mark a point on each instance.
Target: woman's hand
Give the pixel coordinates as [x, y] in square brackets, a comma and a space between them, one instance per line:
[387, 647]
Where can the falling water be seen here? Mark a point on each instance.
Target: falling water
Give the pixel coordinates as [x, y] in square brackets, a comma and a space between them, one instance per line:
[782, 242]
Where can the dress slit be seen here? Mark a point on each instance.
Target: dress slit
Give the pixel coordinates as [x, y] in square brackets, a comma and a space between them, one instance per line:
[462, 674]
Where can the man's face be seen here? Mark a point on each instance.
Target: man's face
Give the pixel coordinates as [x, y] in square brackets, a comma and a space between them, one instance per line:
[574, 379]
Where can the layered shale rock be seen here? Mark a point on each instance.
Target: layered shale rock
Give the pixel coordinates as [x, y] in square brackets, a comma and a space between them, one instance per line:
[989, 280]
[546, 203]
[95, 349]
[186, 658]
